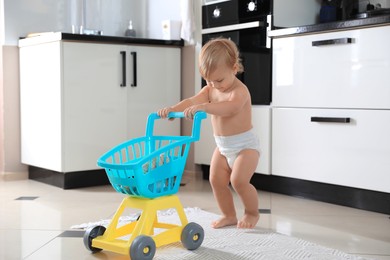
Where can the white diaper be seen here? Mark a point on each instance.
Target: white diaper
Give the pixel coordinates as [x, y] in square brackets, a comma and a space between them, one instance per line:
[231, 146]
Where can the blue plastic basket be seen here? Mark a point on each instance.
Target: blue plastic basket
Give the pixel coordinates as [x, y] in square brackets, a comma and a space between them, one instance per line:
[150, 166]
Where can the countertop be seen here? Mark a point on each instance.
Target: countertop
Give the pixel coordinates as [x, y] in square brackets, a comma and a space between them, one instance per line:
[45, 37]
[383, 20]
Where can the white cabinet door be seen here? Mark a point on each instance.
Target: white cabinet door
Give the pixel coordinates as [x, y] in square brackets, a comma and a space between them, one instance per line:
[152, 84]
[346, 69]
[356, 154]
[94, 103]
[104, 111]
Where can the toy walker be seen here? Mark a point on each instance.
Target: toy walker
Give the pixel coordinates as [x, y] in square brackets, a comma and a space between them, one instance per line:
[148, 169]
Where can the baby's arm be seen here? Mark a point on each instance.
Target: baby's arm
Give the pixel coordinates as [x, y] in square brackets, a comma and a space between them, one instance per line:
[229, 107]
[199, 98]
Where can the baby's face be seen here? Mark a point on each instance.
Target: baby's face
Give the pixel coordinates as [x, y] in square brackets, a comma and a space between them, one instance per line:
[222, 78]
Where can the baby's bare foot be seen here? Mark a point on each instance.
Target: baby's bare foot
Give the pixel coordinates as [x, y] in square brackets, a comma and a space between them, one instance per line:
[248, 221]
[223, 222]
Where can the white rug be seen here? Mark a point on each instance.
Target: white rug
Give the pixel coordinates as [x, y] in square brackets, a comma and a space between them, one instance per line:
[231, 243]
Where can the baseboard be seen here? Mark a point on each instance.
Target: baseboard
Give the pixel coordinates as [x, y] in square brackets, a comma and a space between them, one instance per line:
[14, 176]
[69, 180]
[335, 194]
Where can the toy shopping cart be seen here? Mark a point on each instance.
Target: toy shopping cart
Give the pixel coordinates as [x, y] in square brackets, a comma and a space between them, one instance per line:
[148, 169]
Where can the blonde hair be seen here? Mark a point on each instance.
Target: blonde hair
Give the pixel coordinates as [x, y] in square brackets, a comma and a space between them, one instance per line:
[216, 51]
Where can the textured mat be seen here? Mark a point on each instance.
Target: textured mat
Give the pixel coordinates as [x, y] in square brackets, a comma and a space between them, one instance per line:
[231, 243]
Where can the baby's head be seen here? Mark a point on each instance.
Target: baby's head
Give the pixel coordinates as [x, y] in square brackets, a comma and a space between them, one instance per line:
[217, 52]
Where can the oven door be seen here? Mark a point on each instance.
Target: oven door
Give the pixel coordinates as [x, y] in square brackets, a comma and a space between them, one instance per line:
[256, 56]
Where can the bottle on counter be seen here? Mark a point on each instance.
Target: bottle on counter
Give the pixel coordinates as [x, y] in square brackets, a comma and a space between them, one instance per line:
[130, 32]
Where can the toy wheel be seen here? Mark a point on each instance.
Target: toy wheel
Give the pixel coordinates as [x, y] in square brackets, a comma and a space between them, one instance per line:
[90, 234]
[192, 236]
[142, 248]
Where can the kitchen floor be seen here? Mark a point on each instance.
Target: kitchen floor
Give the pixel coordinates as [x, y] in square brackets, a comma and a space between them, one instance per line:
[36, 219]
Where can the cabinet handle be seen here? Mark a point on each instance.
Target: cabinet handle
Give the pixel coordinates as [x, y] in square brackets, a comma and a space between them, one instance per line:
[123, 84]
[345, 120]
[332, 42]
[134, 54]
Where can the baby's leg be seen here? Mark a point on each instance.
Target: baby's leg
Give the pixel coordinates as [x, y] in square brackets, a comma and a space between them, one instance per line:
[243, 170]
[219, 180]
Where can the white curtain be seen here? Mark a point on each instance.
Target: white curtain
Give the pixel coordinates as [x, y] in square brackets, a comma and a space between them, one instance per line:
[187, 21]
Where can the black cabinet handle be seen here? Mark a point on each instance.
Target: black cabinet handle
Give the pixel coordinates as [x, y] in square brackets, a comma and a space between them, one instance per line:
[123, 84]
[134, 54]
[331, 119]
[332, 42]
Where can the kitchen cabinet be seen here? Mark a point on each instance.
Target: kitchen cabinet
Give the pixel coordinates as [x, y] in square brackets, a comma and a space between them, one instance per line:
[308, 144]
[261, 118]
[79, 99]
[345, 69]
[331, 104]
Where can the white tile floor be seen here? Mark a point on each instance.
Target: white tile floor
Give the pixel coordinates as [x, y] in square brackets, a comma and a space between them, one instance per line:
[31, 229]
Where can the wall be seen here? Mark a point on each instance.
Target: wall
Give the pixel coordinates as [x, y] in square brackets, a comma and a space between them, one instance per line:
[9, 108]
[113, 16]
[158, 12]
[10, 144]
[23, 17]
[2, 148]
[110, 16]
[363, 4]
[1, 90]
[296, 13]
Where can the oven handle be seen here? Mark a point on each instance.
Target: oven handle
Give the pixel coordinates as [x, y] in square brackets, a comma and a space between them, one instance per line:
[234, 27]
[269, 28]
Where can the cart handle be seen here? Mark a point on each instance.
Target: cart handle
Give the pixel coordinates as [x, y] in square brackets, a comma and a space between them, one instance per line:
[199, 116]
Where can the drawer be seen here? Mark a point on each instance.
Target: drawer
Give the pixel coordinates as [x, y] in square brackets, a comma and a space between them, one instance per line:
[346, 69]
[261, 118]
[336, 146]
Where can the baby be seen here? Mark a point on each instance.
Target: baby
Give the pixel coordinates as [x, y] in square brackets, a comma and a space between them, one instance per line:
[235, 158]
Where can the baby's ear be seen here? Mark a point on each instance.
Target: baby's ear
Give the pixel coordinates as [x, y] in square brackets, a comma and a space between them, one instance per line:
[235, 69]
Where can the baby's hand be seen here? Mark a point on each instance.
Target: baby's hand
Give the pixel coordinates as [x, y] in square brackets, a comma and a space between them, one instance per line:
[163, 113]
[189, 112]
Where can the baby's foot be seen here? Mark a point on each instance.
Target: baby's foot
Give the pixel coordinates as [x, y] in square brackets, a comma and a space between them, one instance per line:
[248, 221]
[223, 222]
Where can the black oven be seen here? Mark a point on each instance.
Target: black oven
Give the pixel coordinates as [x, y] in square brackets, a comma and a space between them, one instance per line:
[245, 22]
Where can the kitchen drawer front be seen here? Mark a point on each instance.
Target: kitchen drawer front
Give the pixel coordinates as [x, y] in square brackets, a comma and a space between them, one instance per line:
[344, 147]
[346, 69]
[261, 118]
